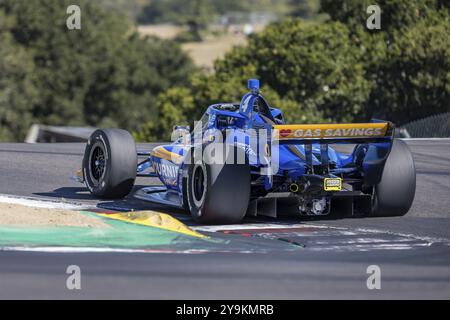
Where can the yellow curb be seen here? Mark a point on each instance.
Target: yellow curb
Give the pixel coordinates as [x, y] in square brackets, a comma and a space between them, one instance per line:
[154, 219]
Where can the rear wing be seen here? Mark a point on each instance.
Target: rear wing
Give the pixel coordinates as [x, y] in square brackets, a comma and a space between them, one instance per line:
[376, 131]
[379, 135]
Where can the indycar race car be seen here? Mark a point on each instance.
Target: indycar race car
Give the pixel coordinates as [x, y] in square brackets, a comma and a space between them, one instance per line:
[244, 159]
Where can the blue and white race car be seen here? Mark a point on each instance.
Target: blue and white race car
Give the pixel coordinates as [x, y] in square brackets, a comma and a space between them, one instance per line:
[244, 159]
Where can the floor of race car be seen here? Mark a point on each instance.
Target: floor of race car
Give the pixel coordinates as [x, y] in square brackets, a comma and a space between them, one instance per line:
[260, 258]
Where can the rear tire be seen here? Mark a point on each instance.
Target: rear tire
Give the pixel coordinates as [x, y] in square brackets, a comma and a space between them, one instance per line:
[394, 195]
[218, 194]
[109, 163]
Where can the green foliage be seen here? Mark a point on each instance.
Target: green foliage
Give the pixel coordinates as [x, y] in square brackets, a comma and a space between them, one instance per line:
[338, 71]
[174, 107]
[335, 70]
[307, 70]
[181, 11]
[196, 14]
[130, 8]
[17, 90]
[99, 75]
[412, 73]
[306, 9]
[314, 64]
[396, 14]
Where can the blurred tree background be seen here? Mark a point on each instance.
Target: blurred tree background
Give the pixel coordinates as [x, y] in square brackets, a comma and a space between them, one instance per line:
[102, 75]
[337, 69]
[319, 63]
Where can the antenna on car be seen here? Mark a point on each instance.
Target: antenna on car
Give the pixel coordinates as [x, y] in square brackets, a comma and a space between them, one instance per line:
[253, 85]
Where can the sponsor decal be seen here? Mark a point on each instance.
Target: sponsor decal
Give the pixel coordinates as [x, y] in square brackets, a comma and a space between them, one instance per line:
[332, 184]
[245, 104]
[285, 132]
[162, 153]
[353, 132]
[167, 172]
[332, 131]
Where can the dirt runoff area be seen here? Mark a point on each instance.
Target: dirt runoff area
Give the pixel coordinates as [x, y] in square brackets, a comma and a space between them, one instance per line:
[19, 215]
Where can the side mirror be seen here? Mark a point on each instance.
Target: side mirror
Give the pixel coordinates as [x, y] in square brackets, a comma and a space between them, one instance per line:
[181, 132]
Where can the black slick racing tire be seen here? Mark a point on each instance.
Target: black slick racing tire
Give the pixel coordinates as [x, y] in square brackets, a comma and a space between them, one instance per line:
[109, 163]
[394, 195]
[216, 193]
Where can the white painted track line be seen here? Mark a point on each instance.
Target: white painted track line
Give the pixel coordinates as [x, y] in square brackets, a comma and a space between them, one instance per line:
[42, 203]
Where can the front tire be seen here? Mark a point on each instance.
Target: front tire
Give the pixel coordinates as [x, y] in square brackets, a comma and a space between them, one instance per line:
[109, 163]
[394, 195]
[216, 193]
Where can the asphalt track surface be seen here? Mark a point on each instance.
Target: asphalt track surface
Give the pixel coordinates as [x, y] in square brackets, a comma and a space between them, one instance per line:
[413, 251]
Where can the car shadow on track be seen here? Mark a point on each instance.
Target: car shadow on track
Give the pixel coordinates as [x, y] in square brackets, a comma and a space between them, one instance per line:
[130, 203]
[69, 193]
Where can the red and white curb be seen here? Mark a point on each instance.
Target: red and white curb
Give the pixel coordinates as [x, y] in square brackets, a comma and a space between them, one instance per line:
[319, 237]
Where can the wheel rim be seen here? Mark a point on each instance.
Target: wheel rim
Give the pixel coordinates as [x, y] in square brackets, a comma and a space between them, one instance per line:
[97, 162]
[198, 185]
